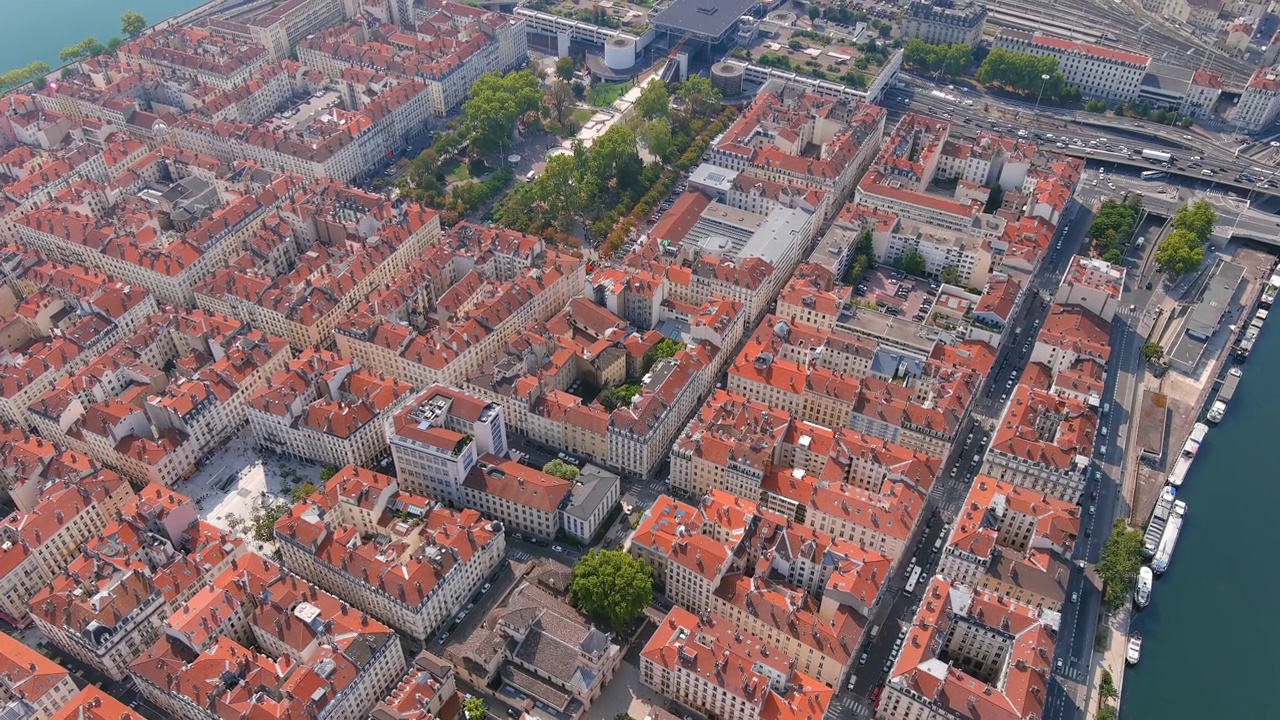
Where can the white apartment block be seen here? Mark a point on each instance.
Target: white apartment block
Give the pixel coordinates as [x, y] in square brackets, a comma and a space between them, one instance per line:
[1259, 106]
[1099, 72]
[437, 437]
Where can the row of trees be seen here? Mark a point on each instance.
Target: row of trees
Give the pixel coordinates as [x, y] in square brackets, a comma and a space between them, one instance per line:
[131, 23]
[1140, 110]
[1112, 227]
[864, 256]
[949, 60]
[1183, 249]
[1118, 564]
[1023, 73]
[598, 186]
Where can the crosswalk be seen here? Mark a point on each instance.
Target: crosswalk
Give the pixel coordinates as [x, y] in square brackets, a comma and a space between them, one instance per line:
[520, 555]
[850, 706]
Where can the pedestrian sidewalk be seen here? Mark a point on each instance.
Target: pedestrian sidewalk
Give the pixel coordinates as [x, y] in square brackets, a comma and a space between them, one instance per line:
[1112, 659]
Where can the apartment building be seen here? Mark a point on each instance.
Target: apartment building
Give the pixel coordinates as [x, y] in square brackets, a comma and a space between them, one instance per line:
[813, 296]
[324, 250]
[1098, 71]
[1044, 443]
[1014, 543]
[448, 58]
[1259, 105]
[671, 532]
[791, 136]
[1093, 284]
[283, 26]
[537, 643]
[944, 23]
[30, 679]
[476, 317]
[295, 650]
[196, 54]
[142, 566]
[424, 692]
[522, 498]
[971, 654]
[968, 253]
[128, 414]
[437, 437]
[593, 497]
[36, 545]
[91, 703]
[402, 558]
[704, 663]
[1072, 333]
[324, 408]
[730, 444]
[166, 242]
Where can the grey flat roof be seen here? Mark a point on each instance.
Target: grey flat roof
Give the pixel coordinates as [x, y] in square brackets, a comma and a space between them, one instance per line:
[712, 18]
[590, 489]
[1169, 77]
[1207, 313]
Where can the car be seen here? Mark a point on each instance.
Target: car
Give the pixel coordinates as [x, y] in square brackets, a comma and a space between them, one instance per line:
[1196, 157]
[1093, 509]
[1186, 137]
[862, 659]
[953, 472]
[1093, 495]
[517, 536]
[512, 713]
[1060, 663]
[1075, 597]
[485, 588]
[443, 636]
[461, 616]
[1088, 532]
[557, 548]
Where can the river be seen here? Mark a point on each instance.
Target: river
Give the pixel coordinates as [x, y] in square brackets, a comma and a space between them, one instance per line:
[1210, 633]
[39, 29]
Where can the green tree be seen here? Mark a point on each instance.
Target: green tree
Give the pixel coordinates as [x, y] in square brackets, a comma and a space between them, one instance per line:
[86, 48]
[1118, 564]
[1106, 712]
[327, 472]
[1107, 688]
[17, 76]
[654, 102]
[473, 708]
[950, 275]
[131, 23]
[911, 262]
[264, 523]
[613, 585]
[699, 96]
[615, 397]
[1023, 73]
[665, 348]
[303, 491]
[1111, 229]
[657, 137]
[1197, 218]
[561, 469]
[559, 100]
[113, 44]
[814, 12]
[613, 157]
[564, 68]
[494, 105]
[865, 246]
[1152, 352]
[1096, 106]
[1179, 253]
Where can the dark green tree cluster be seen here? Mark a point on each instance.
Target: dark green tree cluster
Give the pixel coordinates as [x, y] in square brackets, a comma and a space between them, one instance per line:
[86, 48]
[18, 76]
[264, 523]
[473, 708]
[1152, 352]
[561, 469]
[1022, 73]
[611, 584]
[864, 256]
[950, 275]
[495, 105]
[664, 348]
[1182, 250]
[1118, 564]
[616, 397]
[600, 185]
[131, 23]
[949, 60]
[1112, 227]
[911, 262]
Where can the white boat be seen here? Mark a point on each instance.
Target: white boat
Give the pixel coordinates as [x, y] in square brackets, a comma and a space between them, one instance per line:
[1142, 594]
[1169, 540]
[1135, 649]
[1159, 518]
[1217, 412]
[1189, 450]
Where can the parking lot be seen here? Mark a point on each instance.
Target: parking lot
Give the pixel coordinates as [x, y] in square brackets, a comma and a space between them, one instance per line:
[896, 294]
[302, 111]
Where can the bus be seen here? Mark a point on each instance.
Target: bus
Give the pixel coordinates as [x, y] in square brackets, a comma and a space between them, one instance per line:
[1154, 174]
[912, 580]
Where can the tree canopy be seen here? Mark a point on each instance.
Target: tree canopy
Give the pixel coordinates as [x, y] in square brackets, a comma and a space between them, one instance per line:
[17, 76]
[949, 60]
[654, 101]
[613, 585]
[1118, 564]
[131, 23]
[494, 105]
[950, 275]
[264, 523]
[699, 96]
[1197, 218]
[86, 48]
[1152, 351]
[473, 708]
[303, 491]
[561, 469]
[564, 68]
[911, 262]
[1023, 73]
[1179, 253]
[615, 397]
[1111, 229]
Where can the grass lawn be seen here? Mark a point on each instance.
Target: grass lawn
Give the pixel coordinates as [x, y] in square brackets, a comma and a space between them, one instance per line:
[580, 116]
[456, 171]
[604, 94]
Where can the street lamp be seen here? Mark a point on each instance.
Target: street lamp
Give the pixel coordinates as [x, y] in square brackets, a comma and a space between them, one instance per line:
[1044, 79]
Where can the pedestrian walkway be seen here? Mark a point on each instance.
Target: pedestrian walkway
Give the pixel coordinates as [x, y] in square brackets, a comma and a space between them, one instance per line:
[1111, 659]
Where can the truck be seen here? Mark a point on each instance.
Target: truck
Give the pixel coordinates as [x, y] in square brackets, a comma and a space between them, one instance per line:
[1157, 155]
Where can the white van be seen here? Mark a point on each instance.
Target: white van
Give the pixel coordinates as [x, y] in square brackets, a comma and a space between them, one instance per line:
[530, 176]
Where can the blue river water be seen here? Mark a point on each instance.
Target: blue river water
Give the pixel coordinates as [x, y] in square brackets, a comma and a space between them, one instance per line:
[38, 29]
